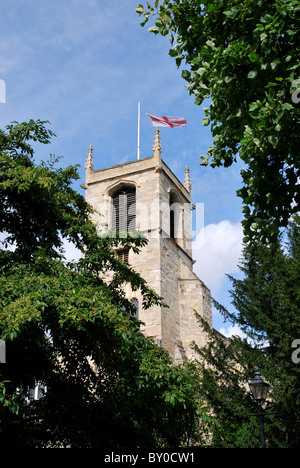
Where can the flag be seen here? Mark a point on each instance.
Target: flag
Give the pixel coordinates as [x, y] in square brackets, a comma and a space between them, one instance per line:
[170, 122]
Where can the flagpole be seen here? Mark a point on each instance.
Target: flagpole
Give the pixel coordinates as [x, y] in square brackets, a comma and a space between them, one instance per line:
[139, 129]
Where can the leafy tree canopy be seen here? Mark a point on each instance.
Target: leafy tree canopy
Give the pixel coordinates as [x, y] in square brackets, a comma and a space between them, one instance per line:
[244, 56]
[107, 385]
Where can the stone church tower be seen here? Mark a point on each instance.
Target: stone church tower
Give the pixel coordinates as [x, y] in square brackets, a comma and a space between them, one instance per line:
[144, 195]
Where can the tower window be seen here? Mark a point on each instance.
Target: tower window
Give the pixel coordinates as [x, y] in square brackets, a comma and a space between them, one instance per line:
[123, 255]
[172, 223]
[124, 213]
[174, 216]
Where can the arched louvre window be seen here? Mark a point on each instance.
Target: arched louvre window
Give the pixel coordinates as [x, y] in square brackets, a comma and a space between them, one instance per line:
[176, 217]
[173, 216]
[124, 213]
[172, 222]
[123, 254]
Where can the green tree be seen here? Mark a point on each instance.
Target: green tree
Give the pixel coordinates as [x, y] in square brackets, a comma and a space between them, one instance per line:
[107, 385]
[267, 302]
[244, 56]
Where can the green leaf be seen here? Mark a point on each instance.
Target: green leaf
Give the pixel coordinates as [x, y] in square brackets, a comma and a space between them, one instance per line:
[254, 57]
[273, 139]
[232, 13]
[275, 63]
[210, 44]
[254, 105]
[287, 106]
[202, 71]
[253, 74]
[267, 19]
[153, 29]
[139, 9]
[278, 117]
[186, 75]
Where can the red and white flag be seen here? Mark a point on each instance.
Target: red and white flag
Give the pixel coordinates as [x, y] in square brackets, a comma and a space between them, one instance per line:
[170, 122]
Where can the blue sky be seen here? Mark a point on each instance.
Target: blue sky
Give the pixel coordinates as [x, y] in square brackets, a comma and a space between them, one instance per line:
[84, 65]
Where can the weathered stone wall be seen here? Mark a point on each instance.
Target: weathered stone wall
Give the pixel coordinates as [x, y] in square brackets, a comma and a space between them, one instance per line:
[166, 264]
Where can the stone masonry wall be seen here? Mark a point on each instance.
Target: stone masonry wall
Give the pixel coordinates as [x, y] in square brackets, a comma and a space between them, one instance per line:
[165, 264]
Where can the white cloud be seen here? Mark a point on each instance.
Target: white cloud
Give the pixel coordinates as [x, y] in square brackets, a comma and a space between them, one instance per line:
[217, 250]
[232, 330]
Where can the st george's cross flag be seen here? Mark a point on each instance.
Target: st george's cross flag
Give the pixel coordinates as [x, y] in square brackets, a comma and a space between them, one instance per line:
[170, 122]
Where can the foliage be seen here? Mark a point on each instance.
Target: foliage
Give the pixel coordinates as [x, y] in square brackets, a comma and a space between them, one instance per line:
[107, 385]
[244, 56]
[267, 302]
[227, 368]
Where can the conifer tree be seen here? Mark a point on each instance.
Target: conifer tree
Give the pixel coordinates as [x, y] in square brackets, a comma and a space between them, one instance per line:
[266, 309]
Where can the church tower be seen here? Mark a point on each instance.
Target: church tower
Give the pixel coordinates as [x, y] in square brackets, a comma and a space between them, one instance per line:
[144, 195]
